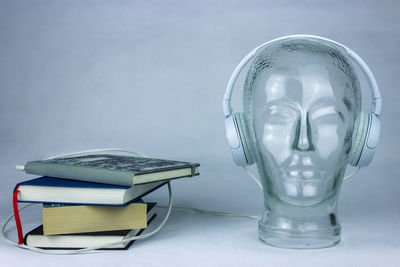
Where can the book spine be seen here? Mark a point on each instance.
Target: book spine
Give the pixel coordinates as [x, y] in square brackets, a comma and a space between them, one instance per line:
[81, 173]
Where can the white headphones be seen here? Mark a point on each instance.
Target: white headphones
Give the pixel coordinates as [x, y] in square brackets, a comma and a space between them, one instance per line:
[367, 127]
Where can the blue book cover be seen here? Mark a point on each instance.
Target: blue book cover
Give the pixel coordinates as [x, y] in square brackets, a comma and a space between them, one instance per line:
[60, 182]
[52, 190]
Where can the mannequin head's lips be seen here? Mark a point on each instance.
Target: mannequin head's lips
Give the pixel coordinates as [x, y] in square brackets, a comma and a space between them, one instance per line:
[305, 174]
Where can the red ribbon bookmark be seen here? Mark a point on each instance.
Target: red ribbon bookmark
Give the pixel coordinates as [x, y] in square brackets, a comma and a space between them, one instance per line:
[17, 218]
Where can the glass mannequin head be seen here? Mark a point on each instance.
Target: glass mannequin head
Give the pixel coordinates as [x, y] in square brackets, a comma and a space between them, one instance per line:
[301, 99]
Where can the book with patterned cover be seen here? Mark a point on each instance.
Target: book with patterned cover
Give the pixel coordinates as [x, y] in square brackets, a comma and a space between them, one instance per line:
[113, 169]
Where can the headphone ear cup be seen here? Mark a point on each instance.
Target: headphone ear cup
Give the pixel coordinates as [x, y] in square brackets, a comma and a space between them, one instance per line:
[361, 126]
[245, 137]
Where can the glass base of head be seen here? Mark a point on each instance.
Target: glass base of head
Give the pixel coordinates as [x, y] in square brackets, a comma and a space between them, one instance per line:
[283, 238]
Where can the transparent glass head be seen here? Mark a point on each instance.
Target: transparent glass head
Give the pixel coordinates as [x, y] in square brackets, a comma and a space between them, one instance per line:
[301, 99]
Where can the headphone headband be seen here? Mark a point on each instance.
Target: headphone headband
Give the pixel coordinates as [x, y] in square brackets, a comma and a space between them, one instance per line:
[376, 95]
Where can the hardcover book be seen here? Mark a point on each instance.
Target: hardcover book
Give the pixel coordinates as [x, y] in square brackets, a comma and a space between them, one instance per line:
[65, 191]
[68, 219]
[113, 169]
[36, 237]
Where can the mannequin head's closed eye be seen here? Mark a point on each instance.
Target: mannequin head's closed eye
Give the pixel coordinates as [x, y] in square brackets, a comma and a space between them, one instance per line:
[301, 99]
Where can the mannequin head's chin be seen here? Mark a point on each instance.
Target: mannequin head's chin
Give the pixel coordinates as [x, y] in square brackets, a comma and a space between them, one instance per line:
[304, 201]
[306, 188]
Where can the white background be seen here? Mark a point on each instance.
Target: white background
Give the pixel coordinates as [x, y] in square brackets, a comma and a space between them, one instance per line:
[150, 76]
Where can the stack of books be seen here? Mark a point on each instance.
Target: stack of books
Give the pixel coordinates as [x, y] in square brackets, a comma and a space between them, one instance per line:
[95, 199]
